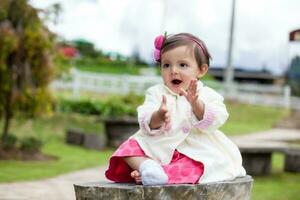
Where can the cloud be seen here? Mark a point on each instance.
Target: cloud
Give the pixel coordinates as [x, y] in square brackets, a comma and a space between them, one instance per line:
[261, 27]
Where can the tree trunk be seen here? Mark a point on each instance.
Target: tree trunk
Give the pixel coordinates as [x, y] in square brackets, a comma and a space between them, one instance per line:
[7, 100]
[7, 116]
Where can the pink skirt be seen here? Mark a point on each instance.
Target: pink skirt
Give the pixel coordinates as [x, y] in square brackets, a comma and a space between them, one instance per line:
[181, 169]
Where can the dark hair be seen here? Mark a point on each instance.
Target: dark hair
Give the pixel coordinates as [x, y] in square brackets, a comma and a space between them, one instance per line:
[200, 51]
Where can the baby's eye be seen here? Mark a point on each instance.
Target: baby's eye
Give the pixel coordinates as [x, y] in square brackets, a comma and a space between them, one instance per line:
[183, 65]
[166, 65]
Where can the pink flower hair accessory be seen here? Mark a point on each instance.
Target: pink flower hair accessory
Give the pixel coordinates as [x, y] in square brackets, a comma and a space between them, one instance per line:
[156, 55]
[158, 42]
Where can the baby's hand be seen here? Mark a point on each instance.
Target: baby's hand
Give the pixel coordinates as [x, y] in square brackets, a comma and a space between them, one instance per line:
[191, 94]
[163, 112]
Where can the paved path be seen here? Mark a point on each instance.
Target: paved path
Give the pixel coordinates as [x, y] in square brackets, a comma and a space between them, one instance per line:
[276, 134]
[57, 188]
[61, 187]
[274, 139]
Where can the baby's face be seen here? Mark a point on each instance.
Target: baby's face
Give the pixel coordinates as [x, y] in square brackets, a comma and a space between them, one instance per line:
[178, 68]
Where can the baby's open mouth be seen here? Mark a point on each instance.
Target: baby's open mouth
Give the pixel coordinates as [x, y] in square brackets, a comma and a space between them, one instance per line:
[176, 81]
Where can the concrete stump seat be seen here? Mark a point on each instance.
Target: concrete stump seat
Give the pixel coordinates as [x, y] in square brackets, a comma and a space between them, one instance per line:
[257, 161]
[257, 157]
[292, 160]
[238, 189]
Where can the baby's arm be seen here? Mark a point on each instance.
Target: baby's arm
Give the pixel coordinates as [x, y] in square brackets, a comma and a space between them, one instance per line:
[153, 115]
[192, 97]
[209, 111]
[162, 115]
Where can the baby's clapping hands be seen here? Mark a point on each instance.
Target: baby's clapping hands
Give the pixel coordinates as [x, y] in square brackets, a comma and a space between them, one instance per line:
[191, 96]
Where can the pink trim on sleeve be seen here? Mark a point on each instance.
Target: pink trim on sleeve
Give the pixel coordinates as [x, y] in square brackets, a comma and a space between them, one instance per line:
[208, 118]
[144, 125]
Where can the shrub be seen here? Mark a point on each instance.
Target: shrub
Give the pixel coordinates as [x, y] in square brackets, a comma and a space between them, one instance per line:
[115, 106]
[118, 108]
[31, 144]
[9, 142]
[81, 106]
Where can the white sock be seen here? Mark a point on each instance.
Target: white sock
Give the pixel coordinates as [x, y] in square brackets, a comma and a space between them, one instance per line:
[152, 173]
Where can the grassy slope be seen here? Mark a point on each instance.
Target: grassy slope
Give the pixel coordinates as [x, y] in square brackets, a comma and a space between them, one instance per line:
[248, 118]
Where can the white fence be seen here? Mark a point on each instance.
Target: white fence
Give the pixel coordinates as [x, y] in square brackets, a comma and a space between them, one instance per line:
[105, 83]
[272, 95]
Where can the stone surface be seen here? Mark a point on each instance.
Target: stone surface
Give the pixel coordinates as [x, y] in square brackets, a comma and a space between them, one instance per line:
[257, 148]
[74, 137]
[119, 130]
[274, 135]
[94, 141]
[238, 189]
[292, 161]
[257, 164]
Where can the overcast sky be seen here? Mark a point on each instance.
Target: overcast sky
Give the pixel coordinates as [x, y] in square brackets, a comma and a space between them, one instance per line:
[260, 37]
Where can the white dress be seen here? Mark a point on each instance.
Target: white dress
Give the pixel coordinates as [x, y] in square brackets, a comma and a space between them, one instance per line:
[199, 140]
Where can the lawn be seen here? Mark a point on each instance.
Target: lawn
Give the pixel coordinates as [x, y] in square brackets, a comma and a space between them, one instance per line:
[51, 130]
[134, 70]
[244, 118]
[279, 185]
[70, 158]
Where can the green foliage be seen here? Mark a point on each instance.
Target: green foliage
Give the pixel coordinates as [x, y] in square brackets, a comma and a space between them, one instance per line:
[133, 99]
[118, 108]
[86, 48]
[81, 106]
[62, 65]
[114, 106]
[26, 49]
[34, 103]
[9, 142]
[99, 61]
[3, 10]
[30, 144]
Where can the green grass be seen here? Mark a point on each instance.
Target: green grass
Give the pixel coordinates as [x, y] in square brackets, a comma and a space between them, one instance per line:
[110, 69]
[245, 118]
[70, 158]
[51, 130]
[279, 185]
[53, 127]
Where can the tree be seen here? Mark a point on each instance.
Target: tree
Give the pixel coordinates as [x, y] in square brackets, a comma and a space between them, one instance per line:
[86, 48]
[26, 67]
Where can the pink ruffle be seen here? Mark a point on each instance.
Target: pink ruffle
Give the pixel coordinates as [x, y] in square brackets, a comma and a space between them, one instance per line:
[208, 118]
